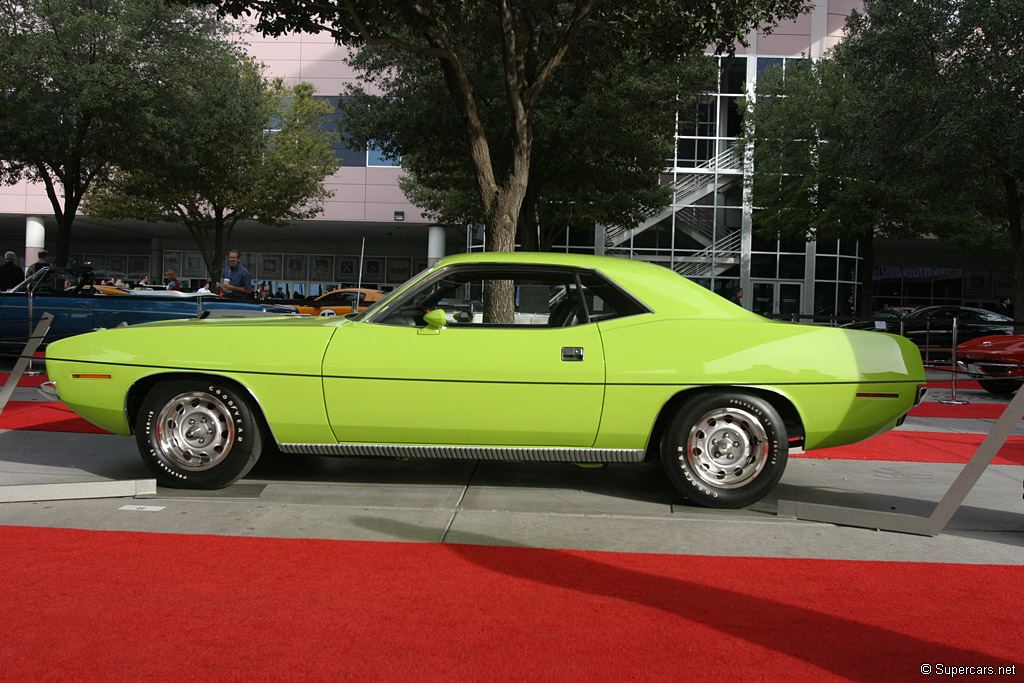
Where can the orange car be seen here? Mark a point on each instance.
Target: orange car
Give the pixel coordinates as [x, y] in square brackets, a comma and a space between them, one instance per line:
[340, 301]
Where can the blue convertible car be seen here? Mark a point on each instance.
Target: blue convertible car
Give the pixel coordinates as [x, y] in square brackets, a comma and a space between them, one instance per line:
[79, 306]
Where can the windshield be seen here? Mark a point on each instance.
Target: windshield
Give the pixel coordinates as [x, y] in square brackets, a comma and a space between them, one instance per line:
[377, 304]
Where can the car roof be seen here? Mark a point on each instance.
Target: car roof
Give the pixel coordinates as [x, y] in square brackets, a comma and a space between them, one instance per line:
[660, 288]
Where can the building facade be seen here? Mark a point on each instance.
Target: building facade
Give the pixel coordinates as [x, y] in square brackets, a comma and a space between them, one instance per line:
[369, 234]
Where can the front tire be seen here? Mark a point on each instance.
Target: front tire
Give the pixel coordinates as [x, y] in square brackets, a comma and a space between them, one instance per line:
[1000, 387]
[725, 449]
[198, 435]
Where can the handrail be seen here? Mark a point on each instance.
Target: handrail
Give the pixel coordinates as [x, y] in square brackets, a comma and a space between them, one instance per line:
[689, 266]
[690, 181]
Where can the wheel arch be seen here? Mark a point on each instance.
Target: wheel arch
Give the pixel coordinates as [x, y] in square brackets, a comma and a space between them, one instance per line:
[138, 390]
[782, 403]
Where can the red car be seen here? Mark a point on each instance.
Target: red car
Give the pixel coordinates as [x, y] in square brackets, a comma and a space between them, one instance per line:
[996, 362]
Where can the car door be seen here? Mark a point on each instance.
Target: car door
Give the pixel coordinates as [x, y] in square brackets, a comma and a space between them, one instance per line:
[393, 379]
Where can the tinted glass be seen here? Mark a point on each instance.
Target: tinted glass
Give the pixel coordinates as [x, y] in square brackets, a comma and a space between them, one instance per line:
[542, 297]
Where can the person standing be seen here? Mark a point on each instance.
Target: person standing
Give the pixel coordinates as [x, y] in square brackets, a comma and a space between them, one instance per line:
[11, 273]
[737, 296]
[237, 283]
[172, 280]
[43, 262]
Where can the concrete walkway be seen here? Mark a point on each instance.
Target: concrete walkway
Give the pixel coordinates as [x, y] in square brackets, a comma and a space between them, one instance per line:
[618, 508]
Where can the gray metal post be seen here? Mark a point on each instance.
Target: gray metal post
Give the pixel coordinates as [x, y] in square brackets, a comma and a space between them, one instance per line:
[34, 340]
[953, 400]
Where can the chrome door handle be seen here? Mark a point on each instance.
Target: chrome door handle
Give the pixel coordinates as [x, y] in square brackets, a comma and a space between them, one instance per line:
[572, 353]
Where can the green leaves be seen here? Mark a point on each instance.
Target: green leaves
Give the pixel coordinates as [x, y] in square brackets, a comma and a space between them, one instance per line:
[507, 85]
[913, 125]
[231, 146]
[80, 80]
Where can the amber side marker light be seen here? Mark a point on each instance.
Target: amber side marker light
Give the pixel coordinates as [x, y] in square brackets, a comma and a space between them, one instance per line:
[90, 376]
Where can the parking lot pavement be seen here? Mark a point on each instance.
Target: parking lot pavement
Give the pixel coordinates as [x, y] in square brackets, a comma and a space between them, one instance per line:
[620, 507]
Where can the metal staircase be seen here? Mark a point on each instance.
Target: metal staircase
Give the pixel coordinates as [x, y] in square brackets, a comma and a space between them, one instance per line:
[715, 259]
[717, 255]
[714, 174]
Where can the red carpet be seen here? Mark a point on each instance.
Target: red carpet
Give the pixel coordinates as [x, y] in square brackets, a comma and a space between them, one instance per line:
[987, 411]
[921, 447]
[45, 417]
[25, 381]
[94, 605]
[960, 384]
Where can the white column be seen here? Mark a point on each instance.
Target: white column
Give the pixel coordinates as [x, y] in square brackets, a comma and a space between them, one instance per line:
[819, 29]
[35, 239]
[435, 244]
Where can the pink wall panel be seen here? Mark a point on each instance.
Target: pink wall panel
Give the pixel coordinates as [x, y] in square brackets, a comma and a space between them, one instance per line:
[308, 38]
[385, 193]
[800, 25]
[845, 6]
[380, 175]
[385, 213]
[343, 211]
[285, 68]
[325, 68]
[783, 45]
[38, 206]
[328, 51]
[348, 175]
[265, 52]
[347, 193]
[836, 22]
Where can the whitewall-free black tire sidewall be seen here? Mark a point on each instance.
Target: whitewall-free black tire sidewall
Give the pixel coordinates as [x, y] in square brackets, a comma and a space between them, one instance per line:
[747, 471]
[221, 418]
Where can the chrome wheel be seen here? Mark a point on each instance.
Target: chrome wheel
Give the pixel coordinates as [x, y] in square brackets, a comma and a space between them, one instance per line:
[194, 431]
[726, 448]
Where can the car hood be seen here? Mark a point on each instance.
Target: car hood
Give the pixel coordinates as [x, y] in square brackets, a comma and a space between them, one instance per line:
[289, 345]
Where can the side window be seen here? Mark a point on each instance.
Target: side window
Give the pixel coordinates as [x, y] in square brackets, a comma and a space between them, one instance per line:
[542, 297]
[605, 301]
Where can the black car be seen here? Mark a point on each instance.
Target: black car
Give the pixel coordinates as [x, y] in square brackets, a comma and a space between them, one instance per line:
[931, 328]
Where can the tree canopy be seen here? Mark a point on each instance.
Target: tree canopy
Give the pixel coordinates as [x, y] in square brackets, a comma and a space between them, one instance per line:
[529, 42]
[912, 125]
[79, 81]
[600, 141]
[232, 147]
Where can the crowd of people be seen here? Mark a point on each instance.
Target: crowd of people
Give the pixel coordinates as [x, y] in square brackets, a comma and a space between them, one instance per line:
[236, 281]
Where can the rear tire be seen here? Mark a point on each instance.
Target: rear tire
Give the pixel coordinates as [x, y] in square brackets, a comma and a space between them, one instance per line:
[198, 435]
[725, 449]
[1000, 387]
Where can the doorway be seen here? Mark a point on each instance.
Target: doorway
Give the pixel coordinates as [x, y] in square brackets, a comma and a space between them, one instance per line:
[776, 298]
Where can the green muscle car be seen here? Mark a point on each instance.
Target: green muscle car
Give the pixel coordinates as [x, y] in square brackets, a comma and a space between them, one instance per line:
[595, 360]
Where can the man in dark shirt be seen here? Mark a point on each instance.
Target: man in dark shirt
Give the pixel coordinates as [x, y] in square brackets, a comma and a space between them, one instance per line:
[48, 283]
[11, 273]
[43, 262]
[237, 282]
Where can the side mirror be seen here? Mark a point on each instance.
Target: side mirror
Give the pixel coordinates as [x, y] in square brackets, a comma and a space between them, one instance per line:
[436, 320]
